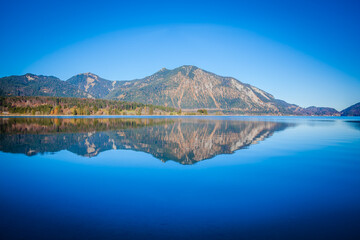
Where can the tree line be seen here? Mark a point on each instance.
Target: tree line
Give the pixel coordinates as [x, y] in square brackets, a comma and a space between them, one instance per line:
[79, 106]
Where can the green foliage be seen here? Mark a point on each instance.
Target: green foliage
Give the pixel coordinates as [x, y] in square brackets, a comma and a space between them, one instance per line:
[74, 111]
[151, 110]
[202, 111]
[74, 106]
[190, 113]
[138, 112]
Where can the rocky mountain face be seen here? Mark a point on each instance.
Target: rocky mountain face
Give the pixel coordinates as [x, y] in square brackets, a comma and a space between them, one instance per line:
[189, 87]
[92, 85]
[34, 85]
[186, 87]
[186, 141]
[353, 110]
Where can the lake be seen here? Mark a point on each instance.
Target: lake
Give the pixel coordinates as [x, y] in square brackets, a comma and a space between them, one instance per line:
[180, 178]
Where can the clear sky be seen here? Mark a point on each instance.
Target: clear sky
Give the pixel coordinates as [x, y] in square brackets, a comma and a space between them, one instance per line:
[304, 52]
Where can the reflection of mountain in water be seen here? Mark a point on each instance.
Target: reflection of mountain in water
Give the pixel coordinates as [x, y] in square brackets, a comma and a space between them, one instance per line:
[183, 140]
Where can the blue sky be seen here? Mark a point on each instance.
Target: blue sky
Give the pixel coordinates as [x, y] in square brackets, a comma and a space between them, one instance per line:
[304, 52]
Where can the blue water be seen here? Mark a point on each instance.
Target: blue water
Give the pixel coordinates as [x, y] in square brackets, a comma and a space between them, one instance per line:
[180, 178]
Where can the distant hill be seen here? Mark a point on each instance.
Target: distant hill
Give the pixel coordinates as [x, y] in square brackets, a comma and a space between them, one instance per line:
[353, 110]
[34, 85]
[319, 111]
[186, 87]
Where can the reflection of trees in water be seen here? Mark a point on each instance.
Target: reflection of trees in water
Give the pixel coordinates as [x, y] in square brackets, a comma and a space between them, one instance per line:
[183, 140]
[72, 125]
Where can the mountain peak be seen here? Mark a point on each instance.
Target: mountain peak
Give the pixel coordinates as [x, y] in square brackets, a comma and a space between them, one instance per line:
[88, 74]
[189, 67]
[30, 74]
[31, 77]
[92, 85]
[186, 70]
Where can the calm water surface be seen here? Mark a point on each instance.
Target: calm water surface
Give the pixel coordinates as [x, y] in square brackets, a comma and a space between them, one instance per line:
[180, 178]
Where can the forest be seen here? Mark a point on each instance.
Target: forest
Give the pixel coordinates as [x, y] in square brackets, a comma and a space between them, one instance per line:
[79, 106]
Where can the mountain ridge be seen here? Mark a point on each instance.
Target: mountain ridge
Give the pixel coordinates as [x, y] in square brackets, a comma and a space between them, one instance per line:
[37, 85]
[353, 110]
[184, 87]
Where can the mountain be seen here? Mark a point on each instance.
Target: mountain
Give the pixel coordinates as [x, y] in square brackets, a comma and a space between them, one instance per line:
[189, 87]
[34, 85]
[186, 87]
[92, 85]
[319, 111]
[353, 110]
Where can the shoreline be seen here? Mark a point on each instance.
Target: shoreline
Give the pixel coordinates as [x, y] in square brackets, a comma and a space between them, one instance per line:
[209, 115]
